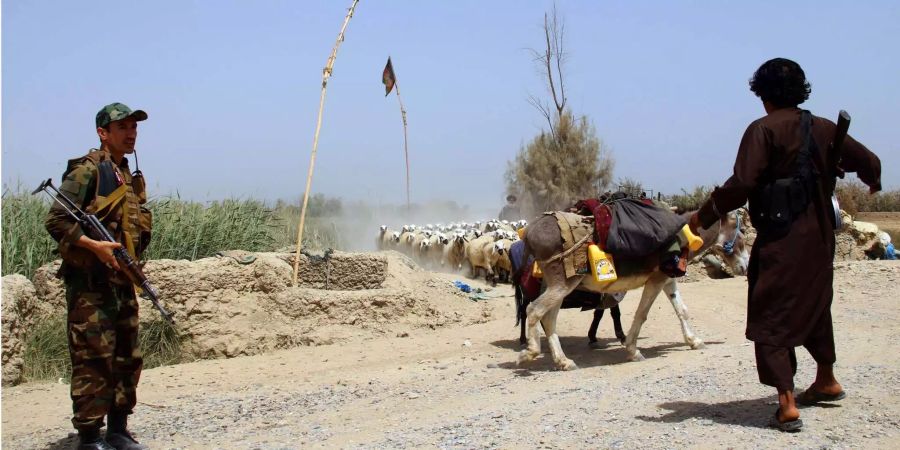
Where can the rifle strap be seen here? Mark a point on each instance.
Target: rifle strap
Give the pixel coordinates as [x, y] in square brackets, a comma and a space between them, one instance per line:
[103, 206]
[810, 151]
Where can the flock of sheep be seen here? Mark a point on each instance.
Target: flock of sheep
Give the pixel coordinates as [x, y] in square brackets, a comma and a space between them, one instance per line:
[482, 246]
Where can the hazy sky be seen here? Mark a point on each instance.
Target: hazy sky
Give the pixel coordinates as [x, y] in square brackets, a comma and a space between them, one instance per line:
[232, 88]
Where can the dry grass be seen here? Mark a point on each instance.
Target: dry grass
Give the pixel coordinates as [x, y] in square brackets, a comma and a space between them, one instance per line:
[855, 198]
[46, 353]
[689, 200]
[181, 229]
[26, 244]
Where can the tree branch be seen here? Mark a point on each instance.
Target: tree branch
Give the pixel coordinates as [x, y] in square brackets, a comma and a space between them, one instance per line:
[544, 110]
[559, 53]
[548, 60]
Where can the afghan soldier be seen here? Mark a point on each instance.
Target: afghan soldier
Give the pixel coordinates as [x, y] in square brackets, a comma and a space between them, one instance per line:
[102, 306]
[785, 167]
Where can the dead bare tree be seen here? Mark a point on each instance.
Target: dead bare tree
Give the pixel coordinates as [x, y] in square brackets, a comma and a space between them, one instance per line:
[550, 62]
[570, 162]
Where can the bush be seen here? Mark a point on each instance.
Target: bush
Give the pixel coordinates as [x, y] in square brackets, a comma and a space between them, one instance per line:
[191, 230]
[181, 229]
[160, 343]
[852, 194]
[46, 355]
[321, 229]
[559, 168]
[26, 243]
[689, 200]
[854, 198]
[631, 187]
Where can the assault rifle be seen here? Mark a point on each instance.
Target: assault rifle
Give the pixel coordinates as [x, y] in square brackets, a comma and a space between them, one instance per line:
[97, 231]
[834, 163]
[840, 133]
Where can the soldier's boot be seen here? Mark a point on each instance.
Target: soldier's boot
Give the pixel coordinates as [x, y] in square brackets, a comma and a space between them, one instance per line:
[117, 433]
[91, 440]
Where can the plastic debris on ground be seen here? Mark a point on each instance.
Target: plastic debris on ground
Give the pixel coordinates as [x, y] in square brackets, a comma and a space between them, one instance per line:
[476, 293]
[463, 286]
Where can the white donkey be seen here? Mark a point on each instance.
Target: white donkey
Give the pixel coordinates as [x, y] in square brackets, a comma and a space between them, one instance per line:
[543, 241]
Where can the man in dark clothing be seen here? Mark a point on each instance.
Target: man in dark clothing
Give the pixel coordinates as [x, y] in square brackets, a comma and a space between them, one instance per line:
[510, 212]
[790, 274]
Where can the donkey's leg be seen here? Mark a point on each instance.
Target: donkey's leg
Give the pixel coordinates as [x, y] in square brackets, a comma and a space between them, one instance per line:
[671, 290]
[557, 289]
[522, 339]
[651, 290]
[534, 313]
[520, 313]
[592, 331]
[617, 323]
[556, 351]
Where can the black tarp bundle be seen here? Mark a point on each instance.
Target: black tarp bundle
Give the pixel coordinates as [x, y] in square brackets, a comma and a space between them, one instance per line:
[639, 229]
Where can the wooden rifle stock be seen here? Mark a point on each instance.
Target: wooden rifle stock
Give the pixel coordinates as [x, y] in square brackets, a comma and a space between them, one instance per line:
[840, 133]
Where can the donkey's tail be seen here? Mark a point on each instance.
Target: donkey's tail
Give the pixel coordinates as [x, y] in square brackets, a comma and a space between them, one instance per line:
[524, 264]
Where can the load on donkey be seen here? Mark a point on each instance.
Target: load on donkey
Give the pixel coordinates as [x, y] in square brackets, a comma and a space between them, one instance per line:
[649, 245]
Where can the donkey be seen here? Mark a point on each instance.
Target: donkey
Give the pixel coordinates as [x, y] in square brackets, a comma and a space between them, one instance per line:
[543, 242]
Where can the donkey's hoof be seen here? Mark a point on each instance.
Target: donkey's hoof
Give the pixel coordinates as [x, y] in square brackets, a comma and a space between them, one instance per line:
[525, 356]
[567, 364]
[636, 357]
[698, 345]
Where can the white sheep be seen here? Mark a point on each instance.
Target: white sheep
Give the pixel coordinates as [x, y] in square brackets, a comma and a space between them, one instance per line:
[385, 239]
[405, 245]
[498, 257]
[434, 254]
[379, 241]
[454, 253]
[475, 254]
[473, 234]
[394, 242]
[419, 244]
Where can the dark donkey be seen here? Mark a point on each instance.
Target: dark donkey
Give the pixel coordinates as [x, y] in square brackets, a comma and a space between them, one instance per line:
[724, 233]
[576, 299]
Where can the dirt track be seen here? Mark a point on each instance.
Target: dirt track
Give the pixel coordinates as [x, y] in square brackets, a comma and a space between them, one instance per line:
[886, 221]
[430, 389]
[882, 219]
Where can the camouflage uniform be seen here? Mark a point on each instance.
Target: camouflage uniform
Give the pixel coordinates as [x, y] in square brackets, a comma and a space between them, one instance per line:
[102, 306]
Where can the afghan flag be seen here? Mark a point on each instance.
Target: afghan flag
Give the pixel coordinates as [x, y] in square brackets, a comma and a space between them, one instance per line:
[388, 78]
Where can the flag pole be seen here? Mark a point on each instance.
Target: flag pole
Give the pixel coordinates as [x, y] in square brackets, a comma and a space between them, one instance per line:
[405, 145]
[326, 73]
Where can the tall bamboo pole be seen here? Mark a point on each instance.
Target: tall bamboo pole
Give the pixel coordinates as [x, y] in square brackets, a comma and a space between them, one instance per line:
[405, 144]
[326, 73]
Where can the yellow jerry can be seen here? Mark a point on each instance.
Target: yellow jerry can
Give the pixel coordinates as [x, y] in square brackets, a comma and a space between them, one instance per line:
[691, 240]
[536, 271]
[601, 265]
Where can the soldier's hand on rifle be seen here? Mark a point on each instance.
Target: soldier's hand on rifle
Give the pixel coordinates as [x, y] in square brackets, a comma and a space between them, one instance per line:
[103, 250]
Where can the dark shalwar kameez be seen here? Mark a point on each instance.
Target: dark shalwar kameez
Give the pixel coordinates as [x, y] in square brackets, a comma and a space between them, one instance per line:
[790, 278]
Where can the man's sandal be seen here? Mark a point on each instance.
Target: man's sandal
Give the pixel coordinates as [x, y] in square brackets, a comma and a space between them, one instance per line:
[791, 426]
[812, 397]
